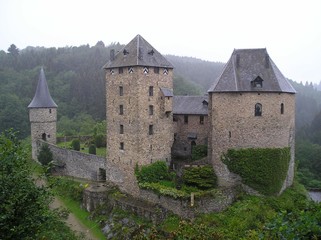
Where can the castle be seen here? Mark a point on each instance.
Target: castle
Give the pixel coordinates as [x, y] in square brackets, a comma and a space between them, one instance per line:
[250, 105]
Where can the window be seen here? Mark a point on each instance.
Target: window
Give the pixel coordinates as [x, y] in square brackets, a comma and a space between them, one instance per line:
[165, 72]
[49, 110]
[258, 110]
[121, 109]
[151, 130]
[130, 70]
[121, 90]
[185, 119]
[121, 129]
[156, 70]
[201, 119]
[121, 146]
[151, 109]
[120, 70]
[146, 70]
[175, 119]
[151, 91]
[257, 82]
[282, 108]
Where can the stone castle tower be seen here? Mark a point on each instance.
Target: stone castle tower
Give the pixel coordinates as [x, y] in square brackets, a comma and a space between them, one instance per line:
[251, 105]
[139, 110]
[42, 115]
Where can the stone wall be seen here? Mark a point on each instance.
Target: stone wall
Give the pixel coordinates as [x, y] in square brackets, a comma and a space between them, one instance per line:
[234, 125]
[76, 164]
[185, 132]
[128, 139]
[156, 208]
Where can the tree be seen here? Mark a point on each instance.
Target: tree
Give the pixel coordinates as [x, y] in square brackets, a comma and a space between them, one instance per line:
[13, 50]
[45, 155]
[24, 207]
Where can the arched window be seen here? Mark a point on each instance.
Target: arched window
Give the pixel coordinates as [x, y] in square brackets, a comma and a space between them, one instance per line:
[282, 108]
[258, 110]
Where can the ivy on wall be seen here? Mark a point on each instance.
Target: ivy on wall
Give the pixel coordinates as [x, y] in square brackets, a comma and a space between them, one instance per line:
[263, 169]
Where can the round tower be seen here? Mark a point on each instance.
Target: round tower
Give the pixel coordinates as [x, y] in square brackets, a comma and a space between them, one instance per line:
[42, 115]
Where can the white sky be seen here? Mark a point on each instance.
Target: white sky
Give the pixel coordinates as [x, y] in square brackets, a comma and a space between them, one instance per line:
[205, 29]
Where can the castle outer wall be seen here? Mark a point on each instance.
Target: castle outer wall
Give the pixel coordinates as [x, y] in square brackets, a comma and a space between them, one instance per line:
[234, 125]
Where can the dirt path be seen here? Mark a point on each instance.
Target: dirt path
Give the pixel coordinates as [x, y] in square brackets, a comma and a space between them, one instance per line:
[73, 222]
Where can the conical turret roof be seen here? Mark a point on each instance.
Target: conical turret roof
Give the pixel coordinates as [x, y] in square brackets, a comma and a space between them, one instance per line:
[138, 52]
[42, 98]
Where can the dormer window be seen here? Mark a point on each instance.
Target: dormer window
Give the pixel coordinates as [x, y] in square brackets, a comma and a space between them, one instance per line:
[257, 82]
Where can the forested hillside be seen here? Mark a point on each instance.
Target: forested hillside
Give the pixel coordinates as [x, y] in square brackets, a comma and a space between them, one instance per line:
[76, 81]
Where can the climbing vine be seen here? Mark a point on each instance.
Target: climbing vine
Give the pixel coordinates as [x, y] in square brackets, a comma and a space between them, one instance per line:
[263, 169]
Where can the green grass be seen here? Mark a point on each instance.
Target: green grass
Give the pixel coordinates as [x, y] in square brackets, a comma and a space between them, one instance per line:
[83, 216]
[99, 151]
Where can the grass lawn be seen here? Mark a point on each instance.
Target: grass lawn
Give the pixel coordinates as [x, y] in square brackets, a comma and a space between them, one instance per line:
[99, 151]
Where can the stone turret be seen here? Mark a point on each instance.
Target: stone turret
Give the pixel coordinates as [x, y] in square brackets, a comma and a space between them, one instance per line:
[139, 110]
[42, 115]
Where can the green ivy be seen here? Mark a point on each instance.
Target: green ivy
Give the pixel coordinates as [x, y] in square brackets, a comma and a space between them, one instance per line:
[200, 177]
[263, 169]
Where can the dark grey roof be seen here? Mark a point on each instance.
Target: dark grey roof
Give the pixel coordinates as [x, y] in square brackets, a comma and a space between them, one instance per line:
[167, 92]
[138, 52]
[244, 66]
[42, 98]
[190, 105]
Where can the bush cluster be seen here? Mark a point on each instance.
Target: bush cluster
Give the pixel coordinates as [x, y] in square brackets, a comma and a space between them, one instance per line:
[263, 169]
[76, 144]
[154, 172]
[199, 152]
[200, 177]
[92, 149]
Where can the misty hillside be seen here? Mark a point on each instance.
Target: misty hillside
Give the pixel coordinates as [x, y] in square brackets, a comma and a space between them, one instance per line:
[197, 71]
[77, 83]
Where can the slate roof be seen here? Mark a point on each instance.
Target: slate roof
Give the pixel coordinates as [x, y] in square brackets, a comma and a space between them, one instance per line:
[42, 98]
[190, 105]
[244, 66]
[138, 52]
[167, 92]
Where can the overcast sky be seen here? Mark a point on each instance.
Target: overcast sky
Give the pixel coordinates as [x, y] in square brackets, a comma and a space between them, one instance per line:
[205, 29]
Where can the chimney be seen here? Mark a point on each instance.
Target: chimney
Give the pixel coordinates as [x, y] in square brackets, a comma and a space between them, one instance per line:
[112, 54]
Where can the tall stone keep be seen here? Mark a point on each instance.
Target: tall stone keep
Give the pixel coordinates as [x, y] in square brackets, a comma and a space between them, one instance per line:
[251, 105]
[139, 110]
[42, 115]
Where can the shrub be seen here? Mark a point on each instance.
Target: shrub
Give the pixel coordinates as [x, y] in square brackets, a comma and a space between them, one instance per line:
[199, 152]
[45, 155]
[75, 144]
[100, 140]
[263, 169]
[154, 172]
[200, 177]
[92, 149]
